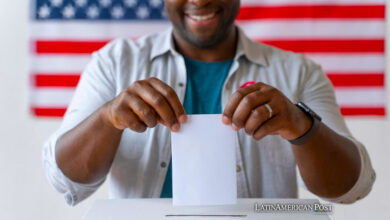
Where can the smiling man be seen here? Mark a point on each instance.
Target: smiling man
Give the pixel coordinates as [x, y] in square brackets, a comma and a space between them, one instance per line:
[133, 94]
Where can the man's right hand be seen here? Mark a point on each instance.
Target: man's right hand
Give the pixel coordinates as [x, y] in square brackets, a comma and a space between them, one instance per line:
[144, 104]
[85, 153]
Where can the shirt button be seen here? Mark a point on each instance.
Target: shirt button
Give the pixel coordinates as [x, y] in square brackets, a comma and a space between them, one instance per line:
[163, 164]
[181, 84]
[238, 168]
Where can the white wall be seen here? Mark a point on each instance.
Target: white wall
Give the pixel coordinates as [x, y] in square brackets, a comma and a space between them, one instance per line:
[24, 191]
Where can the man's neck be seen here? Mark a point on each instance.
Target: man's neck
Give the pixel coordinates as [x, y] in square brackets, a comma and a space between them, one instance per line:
[225, 50]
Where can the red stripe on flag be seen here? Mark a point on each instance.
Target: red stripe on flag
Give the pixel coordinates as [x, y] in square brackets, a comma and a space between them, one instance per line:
[56, 80]
[329, 46]
[48, 112]
[313, 11]
[309, 46]
[350, 79]
[346, 111]
[338, 79]
[360, 111]
[68, 47]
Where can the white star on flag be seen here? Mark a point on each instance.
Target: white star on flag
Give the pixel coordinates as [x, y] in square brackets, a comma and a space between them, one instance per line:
[68, 12]
[56, 3]
[155, 3]
[105, 3]
[163, 14]
[117, 12]
[130, 3]
[93, 12]
[81, 3]
[44, 11]
[142, 12]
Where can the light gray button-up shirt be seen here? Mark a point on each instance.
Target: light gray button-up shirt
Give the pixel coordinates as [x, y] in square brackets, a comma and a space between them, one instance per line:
[265, 168]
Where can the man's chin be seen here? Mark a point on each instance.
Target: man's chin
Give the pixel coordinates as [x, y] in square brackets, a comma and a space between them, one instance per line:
[202, 38]
[206, 41]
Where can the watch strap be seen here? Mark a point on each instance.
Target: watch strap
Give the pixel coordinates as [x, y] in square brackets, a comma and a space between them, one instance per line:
[302, 140]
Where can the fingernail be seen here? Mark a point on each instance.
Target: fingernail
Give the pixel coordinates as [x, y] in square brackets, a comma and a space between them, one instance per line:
[175, 127]
[182, 118]
[226, 120]
[235, 127]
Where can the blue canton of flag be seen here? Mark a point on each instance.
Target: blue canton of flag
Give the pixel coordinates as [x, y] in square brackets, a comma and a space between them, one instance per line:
[100, 10]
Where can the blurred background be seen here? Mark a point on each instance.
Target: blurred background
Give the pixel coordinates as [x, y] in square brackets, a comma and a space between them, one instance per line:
[33, 95]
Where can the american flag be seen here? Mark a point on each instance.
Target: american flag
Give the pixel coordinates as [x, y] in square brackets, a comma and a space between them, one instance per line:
[347, 37]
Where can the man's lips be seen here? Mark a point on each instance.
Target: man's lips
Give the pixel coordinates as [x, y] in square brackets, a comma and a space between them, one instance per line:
[202, 17]
[202, 14]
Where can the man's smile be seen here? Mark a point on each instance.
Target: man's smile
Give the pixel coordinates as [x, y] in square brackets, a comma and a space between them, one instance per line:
[202, 18]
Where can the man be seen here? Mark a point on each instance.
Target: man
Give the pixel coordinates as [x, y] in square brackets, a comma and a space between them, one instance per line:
[133, 94]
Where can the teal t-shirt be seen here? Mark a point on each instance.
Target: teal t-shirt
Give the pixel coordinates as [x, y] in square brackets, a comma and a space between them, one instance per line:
[203, 96]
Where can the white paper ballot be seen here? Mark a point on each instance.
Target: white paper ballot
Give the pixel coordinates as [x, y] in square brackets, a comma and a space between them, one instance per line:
[204, 162]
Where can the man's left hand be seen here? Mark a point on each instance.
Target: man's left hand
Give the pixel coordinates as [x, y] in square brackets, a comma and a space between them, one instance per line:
[247, 109]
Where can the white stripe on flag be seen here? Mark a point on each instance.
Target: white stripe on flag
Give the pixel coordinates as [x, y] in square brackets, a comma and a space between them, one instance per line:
[266, 29]
[53, 97]
[314, 29]
[57, 64]
[346, 97]
[332, 63]
[372, 97]
[101, 30]
[350, 63]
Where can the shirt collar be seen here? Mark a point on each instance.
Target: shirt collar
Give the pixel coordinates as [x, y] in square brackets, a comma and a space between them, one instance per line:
[251, 50]
[163, 44]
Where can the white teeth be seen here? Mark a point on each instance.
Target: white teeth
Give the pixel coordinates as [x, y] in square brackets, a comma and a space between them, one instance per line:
[201, 17]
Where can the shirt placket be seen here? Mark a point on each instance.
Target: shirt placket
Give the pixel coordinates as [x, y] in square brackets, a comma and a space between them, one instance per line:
[242, 183]
[179, 85]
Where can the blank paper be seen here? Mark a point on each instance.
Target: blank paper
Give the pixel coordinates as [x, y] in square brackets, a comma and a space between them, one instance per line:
[204, 162]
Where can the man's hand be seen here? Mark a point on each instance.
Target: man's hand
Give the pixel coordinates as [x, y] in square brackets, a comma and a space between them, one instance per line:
[144, 104]
[246, 109]
[85, 153]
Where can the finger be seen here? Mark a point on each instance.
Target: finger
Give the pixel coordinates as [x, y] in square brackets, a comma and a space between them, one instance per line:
[127, 118]
[171, 96]
[144, 112]
[269, 127]
[157, 102]
[245, 107]
[235, 99]
[256, 118]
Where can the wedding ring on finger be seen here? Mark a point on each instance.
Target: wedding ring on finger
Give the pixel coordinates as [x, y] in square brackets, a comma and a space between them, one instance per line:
[269, 110]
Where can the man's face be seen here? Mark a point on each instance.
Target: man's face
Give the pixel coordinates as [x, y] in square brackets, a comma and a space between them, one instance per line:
[203, 23]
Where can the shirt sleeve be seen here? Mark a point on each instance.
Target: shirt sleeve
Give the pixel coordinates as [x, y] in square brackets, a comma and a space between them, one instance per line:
[318, 93]
[96, 87]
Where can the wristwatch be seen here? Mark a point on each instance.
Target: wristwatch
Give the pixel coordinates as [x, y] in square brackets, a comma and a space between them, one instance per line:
[316, 121]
